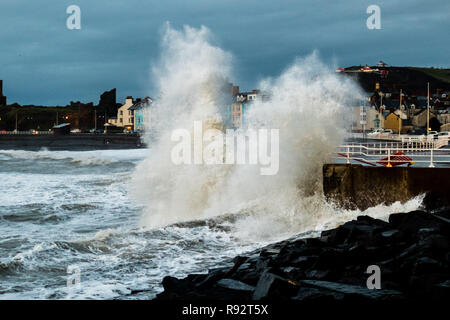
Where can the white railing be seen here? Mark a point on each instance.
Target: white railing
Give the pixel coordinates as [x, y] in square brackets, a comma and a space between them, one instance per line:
[428, 142]
[391, 154]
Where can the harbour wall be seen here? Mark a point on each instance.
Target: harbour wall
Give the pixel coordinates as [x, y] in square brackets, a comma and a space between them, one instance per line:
[361, 187]
[70, 142]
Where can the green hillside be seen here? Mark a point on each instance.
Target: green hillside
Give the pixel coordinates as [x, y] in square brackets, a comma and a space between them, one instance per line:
[440, 74]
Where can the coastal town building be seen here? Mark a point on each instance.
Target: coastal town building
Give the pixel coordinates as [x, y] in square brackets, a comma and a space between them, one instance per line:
[237, 109]
[419, 119]
[444, 117]
[107, 106]
[125, 116]
[393, 122]
[131, 116]
[241, 102]
[367, 118]
[2, 97]
[141, 111]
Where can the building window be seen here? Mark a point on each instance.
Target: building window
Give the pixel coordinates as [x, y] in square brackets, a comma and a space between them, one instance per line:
[121, 112]
[121, 120]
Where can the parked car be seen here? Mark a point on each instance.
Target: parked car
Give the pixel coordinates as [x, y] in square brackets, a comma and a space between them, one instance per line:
[444, 134]
[375, 132]
[432, 134]
[388, 131]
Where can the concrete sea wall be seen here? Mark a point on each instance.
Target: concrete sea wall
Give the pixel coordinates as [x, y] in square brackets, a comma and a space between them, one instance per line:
[362, 187]
[70, 142]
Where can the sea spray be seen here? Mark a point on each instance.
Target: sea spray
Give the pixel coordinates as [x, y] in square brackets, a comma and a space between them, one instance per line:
[308, 104]
[191, 77]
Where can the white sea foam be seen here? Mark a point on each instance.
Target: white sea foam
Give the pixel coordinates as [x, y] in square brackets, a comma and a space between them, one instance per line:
[318, 216]
[96, 157]
[307, 106]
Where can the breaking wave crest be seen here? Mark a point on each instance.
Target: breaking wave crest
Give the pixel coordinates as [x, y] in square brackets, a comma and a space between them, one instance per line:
[306, 104]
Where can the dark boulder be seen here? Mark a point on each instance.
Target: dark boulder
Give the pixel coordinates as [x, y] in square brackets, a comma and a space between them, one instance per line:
[306, 294]
[352, 291]
[235, 285]
[271, 286]
[412, 252]
[413, 221]
[436, 201]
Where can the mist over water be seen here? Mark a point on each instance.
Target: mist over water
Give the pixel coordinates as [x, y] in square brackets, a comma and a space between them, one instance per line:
[307, 104]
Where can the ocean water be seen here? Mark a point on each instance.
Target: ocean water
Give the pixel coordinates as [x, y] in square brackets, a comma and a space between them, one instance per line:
[61, 209]
[64, 208]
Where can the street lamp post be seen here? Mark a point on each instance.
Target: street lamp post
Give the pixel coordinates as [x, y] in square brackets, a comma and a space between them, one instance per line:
[400, 114]
[428, 107]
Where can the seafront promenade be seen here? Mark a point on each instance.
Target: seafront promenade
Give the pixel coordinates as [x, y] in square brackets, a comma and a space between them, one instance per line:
[422, 151]
[73, 141]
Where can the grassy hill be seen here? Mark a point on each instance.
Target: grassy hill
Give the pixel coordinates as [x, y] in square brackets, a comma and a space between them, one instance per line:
[412, 80]
[440, 74]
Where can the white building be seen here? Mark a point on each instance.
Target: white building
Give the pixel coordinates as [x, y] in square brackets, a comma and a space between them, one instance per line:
[125, 116]
[368, 118]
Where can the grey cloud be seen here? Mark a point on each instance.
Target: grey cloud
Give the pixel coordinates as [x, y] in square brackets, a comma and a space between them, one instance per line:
[44, 63]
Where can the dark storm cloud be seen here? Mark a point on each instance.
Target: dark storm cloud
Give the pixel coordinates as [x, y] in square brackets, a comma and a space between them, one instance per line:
[43, 62]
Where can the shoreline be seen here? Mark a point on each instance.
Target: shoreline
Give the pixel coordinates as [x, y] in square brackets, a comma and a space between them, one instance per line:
[411, 252]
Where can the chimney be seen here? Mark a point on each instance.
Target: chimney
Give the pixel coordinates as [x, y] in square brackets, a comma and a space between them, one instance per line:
[234, 90]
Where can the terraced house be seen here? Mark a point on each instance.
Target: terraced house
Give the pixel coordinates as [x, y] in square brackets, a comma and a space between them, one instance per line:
[141, 111]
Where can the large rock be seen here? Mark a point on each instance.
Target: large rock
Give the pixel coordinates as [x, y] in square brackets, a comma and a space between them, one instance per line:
[436, 201]
[271, 286]
[414, 221]
[235, 285]
[412, 252]
[353, 291]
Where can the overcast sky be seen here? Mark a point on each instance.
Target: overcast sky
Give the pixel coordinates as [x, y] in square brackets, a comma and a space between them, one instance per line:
[42, 62]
